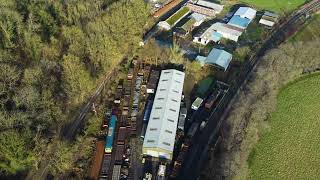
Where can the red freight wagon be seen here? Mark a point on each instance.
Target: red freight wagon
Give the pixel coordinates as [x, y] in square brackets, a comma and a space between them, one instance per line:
[119, 153]
[97, 160]
[105, 166]
[121, 135]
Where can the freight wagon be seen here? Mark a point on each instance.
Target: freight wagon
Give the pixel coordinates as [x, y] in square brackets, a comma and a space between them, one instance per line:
[126, 101]
[182, 118]
[138, 83]
[133, 124]
[143, 131]
[118, 96]
[153, 81]
[127, 87]
[119, 153]
[193, 129]
[136, 97]
[111, 132]
[116, 172]
[97, 160]
[105, 166]
[130, 73]
[147, 111]
[121, 135]
[215, 96]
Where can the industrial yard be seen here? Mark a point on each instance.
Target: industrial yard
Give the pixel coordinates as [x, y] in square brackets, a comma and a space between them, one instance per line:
[131, 124]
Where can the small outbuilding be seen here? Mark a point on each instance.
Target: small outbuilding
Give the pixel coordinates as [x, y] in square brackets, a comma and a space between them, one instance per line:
[217, 57]
[269, 19]
[220, 58]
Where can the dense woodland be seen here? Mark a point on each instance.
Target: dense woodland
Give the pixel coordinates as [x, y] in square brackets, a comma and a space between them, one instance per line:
[52, 52]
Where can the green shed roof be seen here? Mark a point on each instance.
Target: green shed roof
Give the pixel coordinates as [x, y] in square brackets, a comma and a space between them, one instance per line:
[204, 86]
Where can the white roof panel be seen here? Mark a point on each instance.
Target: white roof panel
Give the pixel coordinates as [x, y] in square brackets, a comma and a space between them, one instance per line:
[162, 126]
[266, 22]
[246, 12]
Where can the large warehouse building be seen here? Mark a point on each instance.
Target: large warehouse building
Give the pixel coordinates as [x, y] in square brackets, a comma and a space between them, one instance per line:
[162, 126]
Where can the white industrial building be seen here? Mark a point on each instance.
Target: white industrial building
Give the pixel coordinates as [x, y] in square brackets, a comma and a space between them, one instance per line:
[161, 131]
[225, 30]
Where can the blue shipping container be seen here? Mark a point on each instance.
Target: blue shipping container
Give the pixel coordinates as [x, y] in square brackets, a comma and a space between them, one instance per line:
[147, 111]
[110, 137]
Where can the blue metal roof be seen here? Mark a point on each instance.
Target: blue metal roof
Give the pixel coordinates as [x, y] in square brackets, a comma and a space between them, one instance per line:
[215, 36]
[239, 22]
[201, 59]
[219, 57]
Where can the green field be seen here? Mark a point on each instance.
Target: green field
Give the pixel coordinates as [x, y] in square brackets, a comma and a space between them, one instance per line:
[310, 31]
[291, 149]
[278, 6]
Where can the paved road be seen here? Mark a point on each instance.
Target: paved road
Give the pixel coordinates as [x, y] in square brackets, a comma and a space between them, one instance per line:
[197, 154]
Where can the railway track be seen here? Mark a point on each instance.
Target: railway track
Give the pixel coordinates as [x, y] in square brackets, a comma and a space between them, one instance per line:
[70, 130]
[197, 154]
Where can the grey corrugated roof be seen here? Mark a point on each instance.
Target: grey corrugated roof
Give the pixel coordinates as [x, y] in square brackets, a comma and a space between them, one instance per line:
[271, 14]
[162, 126]
[225, 28]
[217, 7]
[219, 57]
